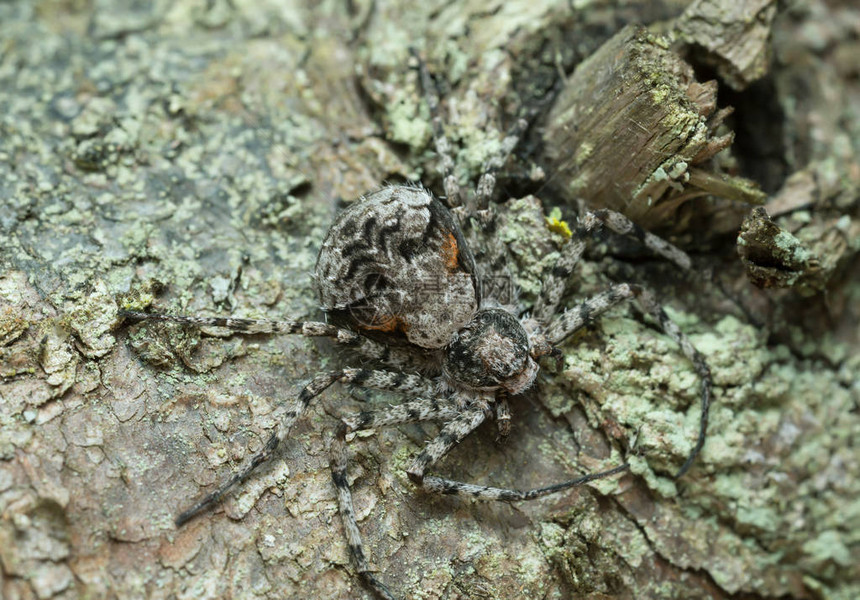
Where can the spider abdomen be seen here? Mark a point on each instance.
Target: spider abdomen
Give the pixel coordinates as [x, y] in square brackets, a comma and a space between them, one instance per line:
[395, 263]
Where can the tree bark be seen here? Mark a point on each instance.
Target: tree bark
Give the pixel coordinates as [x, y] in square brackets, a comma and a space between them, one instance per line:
[189, 158]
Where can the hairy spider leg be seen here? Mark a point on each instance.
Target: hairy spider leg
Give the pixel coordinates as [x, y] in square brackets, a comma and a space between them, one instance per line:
[480, 210]
[368, 378]
[441, 143]
[309, 392]
[460, 422]
[571, 321]
[556, 280]
[487, 181]
[251, 326]
[451, 435]
[503, 416]
[367, 347]
[416, 410]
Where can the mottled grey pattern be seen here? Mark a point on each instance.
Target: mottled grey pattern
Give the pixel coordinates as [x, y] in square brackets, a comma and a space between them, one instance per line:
[491, 353]
[399, 281]
[395, 262]
[556, 280]
[250, 326]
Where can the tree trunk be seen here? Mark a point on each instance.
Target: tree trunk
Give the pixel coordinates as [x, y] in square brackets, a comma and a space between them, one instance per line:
[188, 158]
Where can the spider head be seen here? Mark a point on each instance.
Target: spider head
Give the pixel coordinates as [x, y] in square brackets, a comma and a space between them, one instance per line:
[491, 352]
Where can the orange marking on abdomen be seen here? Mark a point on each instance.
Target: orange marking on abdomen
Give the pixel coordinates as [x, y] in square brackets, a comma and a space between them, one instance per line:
[386, 324]
[451, 252]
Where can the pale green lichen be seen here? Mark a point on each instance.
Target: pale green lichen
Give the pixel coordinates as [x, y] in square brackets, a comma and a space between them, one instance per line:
[530, 241]
[185, 205]
[409, 121]
[791, 247]
[583, 153]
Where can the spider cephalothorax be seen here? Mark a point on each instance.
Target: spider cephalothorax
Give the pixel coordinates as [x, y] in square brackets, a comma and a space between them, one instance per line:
[402, 288]
[491, 352]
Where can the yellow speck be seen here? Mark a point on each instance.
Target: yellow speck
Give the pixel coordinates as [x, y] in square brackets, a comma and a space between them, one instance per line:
[555, 223]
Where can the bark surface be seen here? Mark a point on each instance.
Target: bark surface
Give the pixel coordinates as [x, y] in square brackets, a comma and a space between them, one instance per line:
[189, 157]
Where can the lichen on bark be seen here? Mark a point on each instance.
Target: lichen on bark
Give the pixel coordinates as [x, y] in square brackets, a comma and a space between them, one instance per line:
[191, 156]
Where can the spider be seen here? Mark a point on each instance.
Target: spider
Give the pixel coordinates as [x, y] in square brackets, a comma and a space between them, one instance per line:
[400, 285]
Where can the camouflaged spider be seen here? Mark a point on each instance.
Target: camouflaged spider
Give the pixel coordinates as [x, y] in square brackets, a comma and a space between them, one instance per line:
[401, 286]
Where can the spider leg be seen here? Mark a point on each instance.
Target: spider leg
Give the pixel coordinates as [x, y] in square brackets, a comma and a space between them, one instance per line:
[420, 409]
[460, 423]
[383, 380]
[482, 492]
[443, 146]
[491, 253]
[573, 320]
[317, 385]
[363, 345]
[451, 434]
[251, 326]
[621, 225]
[487, 182]
[503, 416]
[556, 280]
[416, 410]
[650, 305]
[347, 516]
[390, 381]
[494, 250]
[392, 356]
